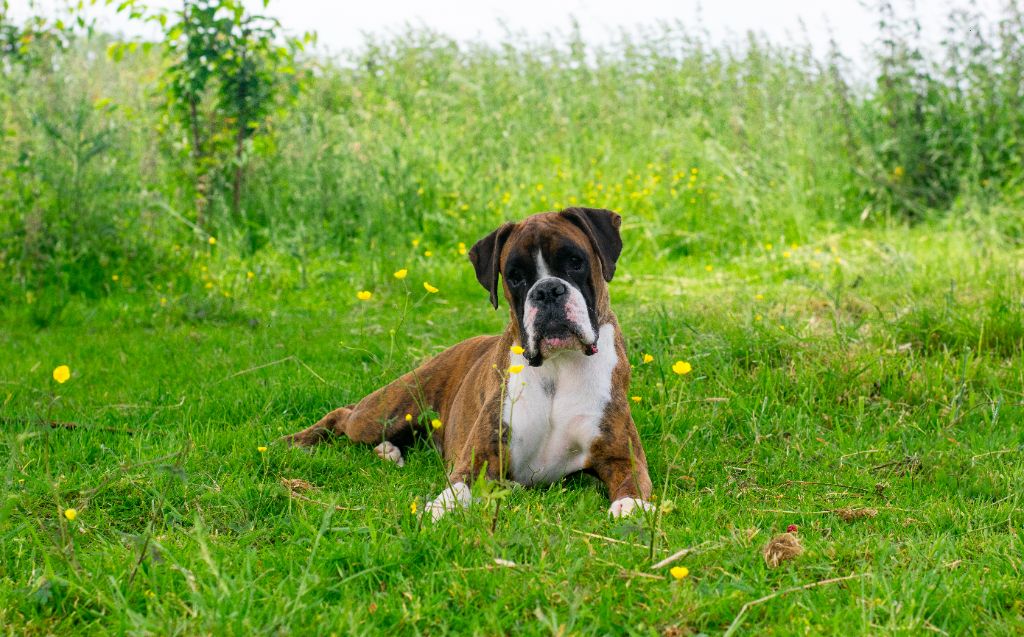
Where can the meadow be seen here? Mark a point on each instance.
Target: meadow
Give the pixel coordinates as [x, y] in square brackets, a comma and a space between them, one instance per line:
[838, 258]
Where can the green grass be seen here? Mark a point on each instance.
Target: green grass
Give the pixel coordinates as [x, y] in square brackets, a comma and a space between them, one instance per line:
[869, 369]
[877, 365]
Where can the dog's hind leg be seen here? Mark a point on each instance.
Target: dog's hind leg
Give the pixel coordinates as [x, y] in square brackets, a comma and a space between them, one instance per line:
[386, 415]
[392, 413]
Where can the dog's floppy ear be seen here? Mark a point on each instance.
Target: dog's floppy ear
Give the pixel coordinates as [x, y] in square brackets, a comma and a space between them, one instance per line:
[486, 257]
[602, 228]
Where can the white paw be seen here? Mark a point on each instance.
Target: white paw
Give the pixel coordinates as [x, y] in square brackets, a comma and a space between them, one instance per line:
[457, 495]
[388, 451]
[624, 507]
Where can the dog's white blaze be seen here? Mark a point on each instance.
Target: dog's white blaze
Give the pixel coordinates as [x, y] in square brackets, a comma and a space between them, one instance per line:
[554, 411]
[542, 266]
[457, 495]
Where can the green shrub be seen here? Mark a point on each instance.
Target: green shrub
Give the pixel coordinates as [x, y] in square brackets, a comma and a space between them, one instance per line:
[705, 148]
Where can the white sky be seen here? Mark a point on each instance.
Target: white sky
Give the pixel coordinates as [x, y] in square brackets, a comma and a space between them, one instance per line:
[341, 24]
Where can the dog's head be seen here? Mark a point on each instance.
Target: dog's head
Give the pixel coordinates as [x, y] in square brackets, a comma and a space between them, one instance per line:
[554, 268]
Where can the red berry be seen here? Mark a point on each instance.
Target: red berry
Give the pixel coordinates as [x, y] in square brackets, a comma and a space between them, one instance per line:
[792, 528]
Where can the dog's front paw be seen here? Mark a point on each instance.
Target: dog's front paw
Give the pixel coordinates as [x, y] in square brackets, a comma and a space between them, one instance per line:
[457, 495]
[624, 507]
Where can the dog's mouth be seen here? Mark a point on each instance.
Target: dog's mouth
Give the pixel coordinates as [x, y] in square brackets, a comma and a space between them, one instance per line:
[556, 339]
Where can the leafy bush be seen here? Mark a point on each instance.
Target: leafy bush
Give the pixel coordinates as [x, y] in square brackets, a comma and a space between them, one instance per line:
[125, 157]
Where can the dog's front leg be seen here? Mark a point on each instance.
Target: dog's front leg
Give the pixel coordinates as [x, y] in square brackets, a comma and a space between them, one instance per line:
[478, 449]
[619, 461]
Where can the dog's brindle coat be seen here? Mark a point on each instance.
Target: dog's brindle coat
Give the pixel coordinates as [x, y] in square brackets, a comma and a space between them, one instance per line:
[463, 384]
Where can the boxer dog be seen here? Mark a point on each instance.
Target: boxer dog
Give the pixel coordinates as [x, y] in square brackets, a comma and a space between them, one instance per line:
[545, 398]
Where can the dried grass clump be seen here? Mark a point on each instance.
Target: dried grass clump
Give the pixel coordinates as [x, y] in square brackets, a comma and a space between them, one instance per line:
[848, 514]
[780, 548]
[296, 485]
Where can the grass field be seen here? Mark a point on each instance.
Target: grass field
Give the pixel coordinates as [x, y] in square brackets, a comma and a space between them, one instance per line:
[877, 372]
[838, 255]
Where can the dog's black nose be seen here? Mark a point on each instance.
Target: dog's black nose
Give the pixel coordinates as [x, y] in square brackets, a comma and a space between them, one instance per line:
[549, 292]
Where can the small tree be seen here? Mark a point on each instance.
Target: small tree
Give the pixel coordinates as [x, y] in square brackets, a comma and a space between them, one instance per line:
[227, 68]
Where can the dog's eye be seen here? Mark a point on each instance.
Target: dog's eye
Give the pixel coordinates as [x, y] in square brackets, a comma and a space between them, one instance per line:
[515, 278]
[574, 263]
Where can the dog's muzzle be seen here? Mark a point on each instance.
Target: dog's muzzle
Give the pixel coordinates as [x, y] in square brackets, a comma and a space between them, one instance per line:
[556, 319]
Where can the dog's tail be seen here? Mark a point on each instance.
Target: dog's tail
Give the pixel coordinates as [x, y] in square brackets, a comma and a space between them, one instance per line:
[332, 423]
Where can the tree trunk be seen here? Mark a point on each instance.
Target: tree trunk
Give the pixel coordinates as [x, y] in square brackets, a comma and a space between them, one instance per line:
[236, 193]
[197, 162]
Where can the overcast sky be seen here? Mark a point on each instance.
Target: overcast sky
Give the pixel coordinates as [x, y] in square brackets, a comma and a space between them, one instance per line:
[342, 24]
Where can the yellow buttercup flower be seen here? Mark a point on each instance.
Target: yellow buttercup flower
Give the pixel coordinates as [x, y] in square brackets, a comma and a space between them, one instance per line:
[709, 268]
[408, 418]
[515, 349]
[682, 367]
[250, 274]
[429, 288]
[462, 248]
[364, 295]
[428, 253]
[758, 317]
[636, 399]
[114, 278]
[261, 449]
[212, 241]
[70, 514]
[412, 508]
[786, 254]
[648, 358]
[679, 572]
[515, 369]
[61, 374]
[768, 247]
[436, 423]
[209, 285]
[415, 242]
[401, 274]
[758, 297]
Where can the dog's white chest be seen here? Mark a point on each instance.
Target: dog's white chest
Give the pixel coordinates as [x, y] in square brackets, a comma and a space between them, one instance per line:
[554, 411]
